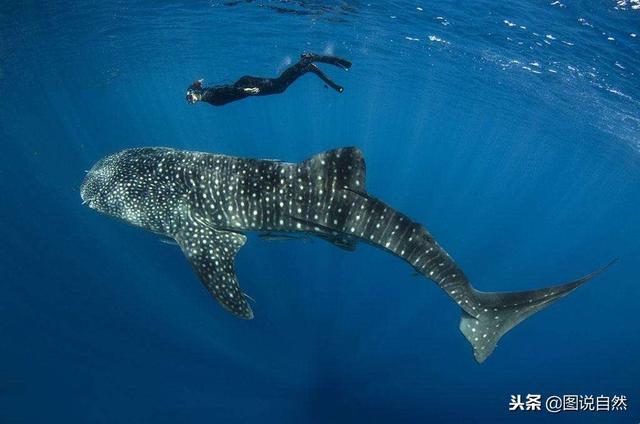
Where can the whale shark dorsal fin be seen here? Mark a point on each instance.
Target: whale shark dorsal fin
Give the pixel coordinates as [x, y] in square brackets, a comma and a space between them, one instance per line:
[211, 253]
[343, 166]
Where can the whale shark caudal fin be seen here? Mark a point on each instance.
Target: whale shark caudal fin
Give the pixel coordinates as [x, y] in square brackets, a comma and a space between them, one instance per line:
[503, 311]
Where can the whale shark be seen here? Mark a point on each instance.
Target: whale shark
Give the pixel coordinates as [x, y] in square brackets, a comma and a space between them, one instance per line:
[206, 202]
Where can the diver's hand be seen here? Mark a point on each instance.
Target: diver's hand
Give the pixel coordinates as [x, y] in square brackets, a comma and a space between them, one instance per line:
[252, 90]
[197, 85]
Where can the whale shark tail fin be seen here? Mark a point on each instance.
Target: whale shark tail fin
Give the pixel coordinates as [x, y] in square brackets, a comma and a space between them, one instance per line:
[501, 311]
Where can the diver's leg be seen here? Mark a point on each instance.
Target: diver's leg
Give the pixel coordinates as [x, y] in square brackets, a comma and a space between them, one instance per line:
[294, 72]
[305, 65]
[265, 86]
[289, 75]
[313, 68]
[332, 60]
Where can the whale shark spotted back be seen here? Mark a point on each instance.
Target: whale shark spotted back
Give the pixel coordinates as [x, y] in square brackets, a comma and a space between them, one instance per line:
[205, 202]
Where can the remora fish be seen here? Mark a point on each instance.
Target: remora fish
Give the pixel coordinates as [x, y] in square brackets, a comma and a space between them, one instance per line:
[206, 201]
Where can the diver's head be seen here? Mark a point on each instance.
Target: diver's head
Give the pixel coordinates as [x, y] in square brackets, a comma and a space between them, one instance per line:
[194, 92]
[193, 97]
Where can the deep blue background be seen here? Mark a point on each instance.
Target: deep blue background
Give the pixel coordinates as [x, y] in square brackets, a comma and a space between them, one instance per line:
[512, 132]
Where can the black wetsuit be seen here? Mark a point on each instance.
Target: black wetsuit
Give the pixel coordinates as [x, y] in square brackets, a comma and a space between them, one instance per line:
[223, 94]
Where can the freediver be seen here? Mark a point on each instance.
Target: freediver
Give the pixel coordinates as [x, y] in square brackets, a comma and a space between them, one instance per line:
[247, 86]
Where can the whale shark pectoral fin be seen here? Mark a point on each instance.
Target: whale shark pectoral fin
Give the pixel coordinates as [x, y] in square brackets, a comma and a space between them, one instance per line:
[211, 253]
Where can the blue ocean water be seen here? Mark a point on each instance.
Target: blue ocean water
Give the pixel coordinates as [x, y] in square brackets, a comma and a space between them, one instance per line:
[511, 131]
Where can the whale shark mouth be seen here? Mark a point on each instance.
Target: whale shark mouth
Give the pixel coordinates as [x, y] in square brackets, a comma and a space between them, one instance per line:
[97, 179]
[84, 188]
[86, 200]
